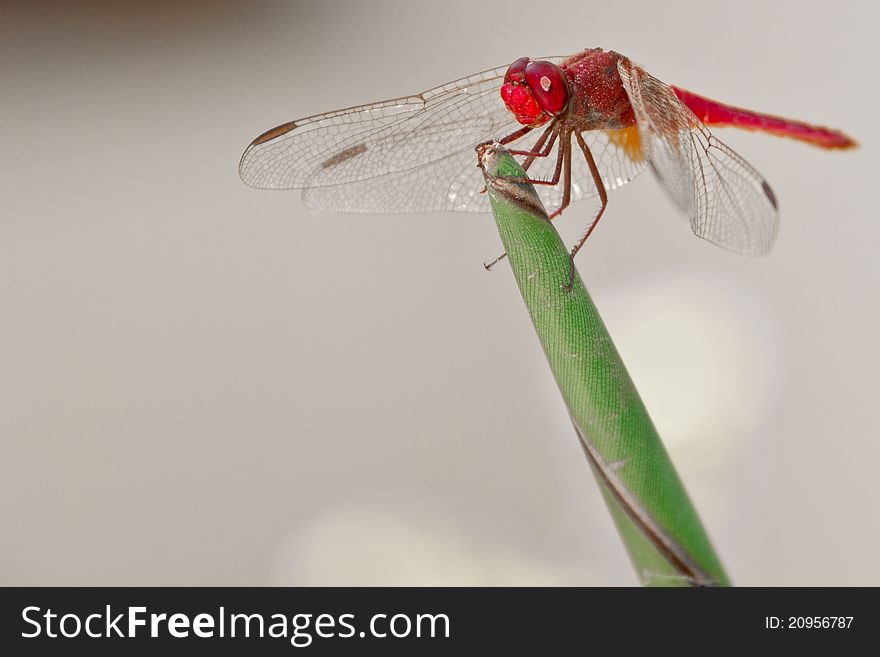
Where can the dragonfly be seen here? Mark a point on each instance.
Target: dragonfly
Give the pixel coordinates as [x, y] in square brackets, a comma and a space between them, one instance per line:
[583, 125]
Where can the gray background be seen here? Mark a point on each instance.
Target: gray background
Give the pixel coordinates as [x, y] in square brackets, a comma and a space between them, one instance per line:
[205, 384]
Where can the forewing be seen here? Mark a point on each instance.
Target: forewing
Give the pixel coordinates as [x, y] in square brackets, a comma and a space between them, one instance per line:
[727, 201]
[407, 154]
[416, 154]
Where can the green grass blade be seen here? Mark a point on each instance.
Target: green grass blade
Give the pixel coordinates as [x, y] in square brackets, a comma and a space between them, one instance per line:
[654, 516]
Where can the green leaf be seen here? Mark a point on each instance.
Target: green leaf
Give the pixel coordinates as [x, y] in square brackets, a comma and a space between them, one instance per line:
[654, 516]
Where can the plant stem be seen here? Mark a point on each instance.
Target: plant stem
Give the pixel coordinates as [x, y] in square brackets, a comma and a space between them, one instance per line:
[654, 516]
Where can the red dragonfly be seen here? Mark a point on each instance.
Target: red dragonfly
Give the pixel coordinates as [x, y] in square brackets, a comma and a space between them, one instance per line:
[416, 153]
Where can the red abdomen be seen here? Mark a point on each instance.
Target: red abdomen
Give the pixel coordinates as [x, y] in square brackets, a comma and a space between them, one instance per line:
[711, 112]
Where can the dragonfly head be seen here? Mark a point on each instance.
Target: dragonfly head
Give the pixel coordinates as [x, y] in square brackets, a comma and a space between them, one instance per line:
[534, 91]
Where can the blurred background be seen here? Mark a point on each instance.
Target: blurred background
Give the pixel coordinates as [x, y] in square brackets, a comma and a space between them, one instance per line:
[201, 383]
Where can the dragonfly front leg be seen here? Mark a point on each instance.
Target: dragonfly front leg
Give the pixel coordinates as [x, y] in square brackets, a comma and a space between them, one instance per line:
[551, 134]
[532, 154]
[513, 136]
[563, 153]
[538, 149]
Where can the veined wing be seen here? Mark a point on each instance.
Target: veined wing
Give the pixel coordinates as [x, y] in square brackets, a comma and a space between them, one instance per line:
[727, 201]
[412, 154]
[456, 184]
[390, 144]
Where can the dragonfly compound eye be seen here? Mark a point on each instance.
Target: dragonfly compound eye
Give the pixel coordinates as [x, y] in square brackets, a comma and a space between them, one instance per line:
[519, 97]
[516, 71]
[548, 85]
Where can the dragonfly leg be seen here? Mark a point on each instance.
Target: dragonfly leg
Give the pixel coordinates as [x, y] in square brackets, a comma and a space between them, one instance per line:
[488, 265]
[531, 158]
[538, 149]
[535, 152]
[542, 150]
[557, 173]
[563, 169]
[603, 197]
[563, 154]
[513, 136]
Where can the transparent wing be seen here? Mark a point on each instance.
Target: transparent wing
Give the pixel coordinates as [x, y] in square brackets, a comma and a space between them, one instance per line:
[456, 184]
[376, 157]
[413, 154]
[617, 154]
[727, 201]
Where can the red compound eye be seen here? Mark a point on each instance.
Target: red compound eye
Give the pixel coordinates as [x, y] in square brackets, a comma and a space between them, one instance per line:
[516, 71]
[548, 85]
[518, 97]
[521, 102]
[534, 91]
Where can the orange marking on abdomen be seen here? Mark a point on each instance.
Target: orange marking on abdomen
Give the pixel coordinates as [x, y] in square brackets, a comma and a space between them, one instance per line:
[711, 112]
[627, 139]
